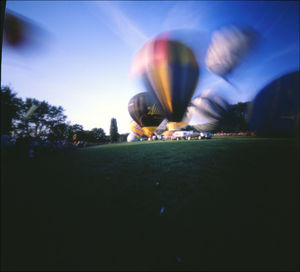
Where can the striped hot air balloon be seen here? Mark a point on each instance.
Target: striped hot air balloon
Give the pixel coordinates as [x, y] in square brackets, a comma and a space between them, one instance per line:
[169, 71]
[136, 129]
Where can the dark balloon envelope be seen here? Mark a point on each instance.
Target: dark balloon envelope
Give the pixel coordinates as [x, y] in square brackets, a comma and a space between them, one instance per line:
[22, 34]
[275, 109]
[15, 30]
[143, 110]
[169, 71]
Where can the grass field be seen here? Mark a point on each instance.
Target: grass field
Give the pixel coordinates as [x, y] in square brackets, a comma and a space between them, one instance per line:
[230, 203]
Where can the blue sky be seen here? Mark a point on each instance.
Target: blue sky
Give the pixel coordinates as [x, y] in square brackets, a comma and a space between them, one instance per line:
[87, 47]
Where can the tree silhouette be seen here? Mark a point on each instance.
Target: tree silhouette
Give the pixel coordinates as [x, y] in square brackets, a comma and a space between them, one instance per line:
[114, 135]
[11, 108]
[42, 121]
[97, 135]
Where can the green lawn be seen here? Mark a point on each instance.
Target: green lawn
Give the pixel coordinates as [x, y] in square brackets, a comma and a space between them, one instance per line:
[231, 203]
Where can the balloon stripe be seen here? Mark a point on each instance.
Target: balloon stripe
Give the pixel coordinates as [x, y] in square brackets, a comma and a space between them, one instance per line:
[165, 77]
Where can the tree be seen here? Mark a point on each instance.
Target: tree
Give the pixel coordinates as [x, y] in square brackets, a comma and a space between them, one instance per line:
[10, 109]
[59, 132]
[42, 121]
[241, 110]
[97, 135]
[114, 135]
[75, 129]
[234, 119]
[123, 137]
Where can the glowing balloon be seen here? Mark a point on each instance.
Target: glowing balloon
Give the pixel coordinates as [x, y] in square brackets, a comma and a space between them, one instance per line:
[170, 72]
[228, 46]
[275, 111]
[145, 112]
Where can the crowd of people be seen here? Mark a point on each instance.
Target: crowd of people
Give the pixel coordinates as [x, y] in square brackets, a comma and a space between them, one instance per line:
[248, 133]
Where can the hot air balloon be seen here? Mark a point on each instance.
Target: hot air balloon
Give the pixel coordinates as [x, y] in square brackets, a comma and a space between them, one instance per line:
[21, 33]
[162, 127]
[211, 108]
[169, 71]
[275, 109]
[168, 134]
[131, 138]
[227, 48]
[136, 129]
[176, 125]
[183, 123]
[145, 112]
[15, 30]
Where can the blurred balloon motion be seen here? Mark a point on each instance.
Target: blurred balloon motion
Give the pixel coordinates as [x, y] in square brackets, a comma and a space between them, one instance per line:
[169, 71]
[15, 30]
[145, 112]
[275, 110]
[163, 126]
[211, 107]
[176, 125]
[21, 33]
[227, 48]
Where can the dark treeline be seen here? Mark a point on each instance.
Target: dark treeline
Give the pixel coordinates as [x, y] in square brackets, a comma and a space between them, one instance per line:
[35, 123]
[231, 120]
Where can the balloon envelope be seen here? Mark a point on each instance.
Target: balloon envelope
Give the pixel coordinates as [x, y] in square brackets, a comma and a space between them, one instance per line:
[170, 72]
[210, 108]
[228, 46]
[20, 32]
[176, 125]
[136, 129]
[275, 110]
[131, 138]
[183, 123]
[145, 112]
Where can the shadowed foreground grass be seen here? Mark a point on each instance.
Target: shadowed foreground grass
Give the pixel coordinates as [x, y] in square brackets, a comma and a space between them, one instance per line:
[230, 204]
